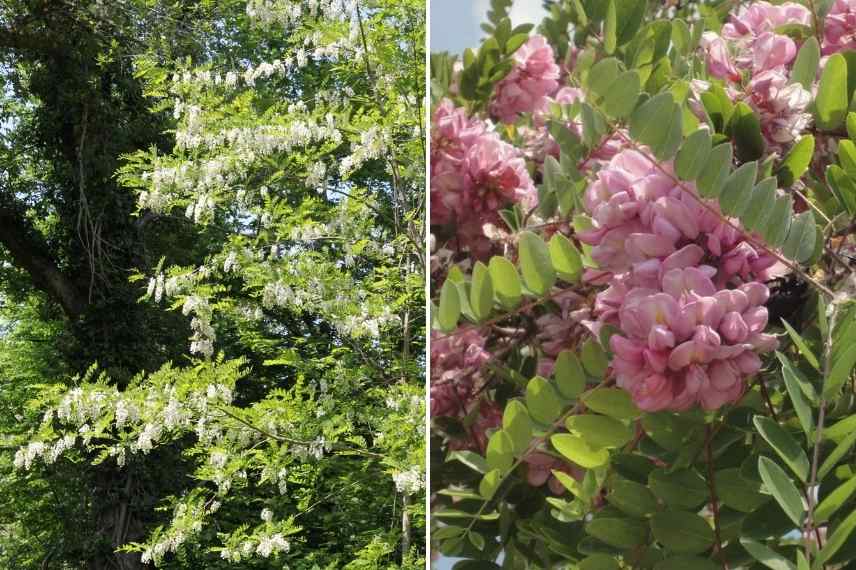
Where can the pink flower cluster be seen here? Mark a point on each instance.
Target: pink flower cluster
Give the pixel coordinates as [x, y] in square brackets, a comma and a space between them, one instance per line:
[456, 362]
[534, 77]
[839, 27]
[749, 45]
[474, 174]
[456, 380]
[686, 337]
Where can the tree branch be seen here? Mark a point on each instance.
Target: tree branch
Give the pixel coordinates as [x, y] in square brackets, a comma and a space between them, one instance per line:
[30, 253]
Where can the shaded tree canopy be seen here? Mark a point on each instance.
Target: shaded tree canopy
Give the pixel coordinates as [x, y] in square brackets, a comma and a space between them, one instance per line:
[211, 329]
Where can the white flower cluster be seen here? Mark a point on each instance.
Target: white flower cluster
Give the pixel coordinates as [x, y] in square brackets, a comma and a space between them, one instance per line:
[288, 13]
[203, 337]
[25, 456]
[373, 144]
[186, 523]
[409, 482]
[265, 546]
[314, 450]
[159, 286]
[252, 143]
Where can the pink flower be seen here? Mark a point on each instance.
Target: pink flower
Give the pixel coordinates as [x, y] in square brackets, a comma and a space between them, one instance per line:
[762, 17]
[473, 175]
[533, 78]
[456, 362]
[750, 45]
[718, 58]
[839, 27]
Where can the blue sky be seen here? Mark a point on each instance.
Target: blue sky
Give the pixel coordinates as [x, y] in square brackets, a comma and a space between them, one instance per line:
[455, 23]
[454, 27]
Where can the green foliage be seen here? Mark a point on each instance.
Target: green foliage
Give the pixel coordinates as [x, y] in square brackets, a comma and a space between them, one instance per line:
[698, 488]
[259, 399]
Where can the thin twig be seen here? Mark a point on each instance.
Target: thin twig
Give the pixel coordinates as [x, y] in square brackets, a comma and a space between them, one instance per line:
[714, 501]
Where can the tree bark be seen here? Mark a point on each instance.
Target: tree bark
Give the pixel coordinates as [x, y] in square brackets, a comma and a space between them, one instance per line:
[31, 254]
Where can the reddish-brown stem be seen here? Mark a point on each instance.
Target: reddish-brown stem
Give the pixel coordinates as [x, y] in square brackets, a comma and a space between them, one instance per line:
[714, 501]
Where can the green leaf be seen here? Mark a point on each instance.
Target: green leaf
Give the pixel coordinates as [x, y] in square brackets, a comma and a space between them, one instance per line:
[593, 125]
[613, 402]
[761, 202]
[629, 17]
[796, 162]
[783, 444]
[831, 101]
[481, 291]
[670, 431]
[837, 539]
[738, 188]
[836, 455]
[620, 533]
[682, 532]
[801, 345]
[598, 562]
[851, 125]
[450, 307]
[737, 492]
[620, 99]
[766, 556]
[657, 123]
[609, 28]
[565, 258]
[632, 498]
[469, 458]
[505, 281]
[693, 155]
[841, 429]
[806, 64]
[542, 401]
[847, 156]
[799, 244]
[715, 172]
[684, 489]
[782, 488]
[538, 272]
[746, 131]
[602, 75]
[570, 378]
[579, 451]
[517, 424]
[599, 431]
[835, 500]
[779, 221]
[681, 36]
[490, 483]
[840, 372]
[687, 563]
[843, 186]
[594, 358]
[500, 451]
[802, 562]
[476, 540]
[792, 384]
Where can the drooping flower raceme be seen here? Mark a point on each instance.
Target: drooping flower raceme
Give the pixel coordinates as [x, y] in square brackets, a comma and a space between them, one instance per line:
[474, 174]
[839, 27]
[755, 61]
[534, 77]
[687, 335]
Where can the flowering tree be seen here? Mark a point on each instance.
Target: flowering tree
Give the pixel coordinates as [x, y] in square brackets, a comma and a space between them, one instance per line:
[298, 159]
[643, 332]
